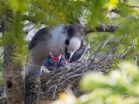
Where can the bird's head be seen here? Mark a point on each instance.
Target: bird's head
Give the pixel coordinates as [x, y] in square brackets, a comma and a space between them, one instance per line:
[75, 39]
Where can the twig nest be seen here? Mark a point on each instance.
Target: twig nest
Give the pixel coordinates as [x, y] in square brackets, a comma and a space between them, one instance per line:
[50, 83]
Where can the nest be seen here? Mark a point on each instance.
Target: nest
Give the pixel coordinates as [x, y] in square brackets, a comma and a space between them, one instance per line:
[47, 86]
[50, 84]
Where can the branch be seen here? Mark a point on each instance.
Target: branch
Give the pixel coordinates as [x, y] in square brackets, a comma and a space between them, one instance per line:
[133, 6]
[99, 48]
[1, 54]
[102, 28]
[30, 18]
[0, 28]
[33, 19]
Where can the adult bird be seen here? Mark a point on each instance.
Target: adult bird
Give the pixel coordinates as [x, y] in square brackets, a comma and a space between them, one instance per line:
[55, 42]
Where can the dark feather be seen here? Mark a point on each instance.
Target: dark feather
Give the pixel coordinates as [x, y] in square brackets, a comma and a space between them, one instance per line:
[39, 36]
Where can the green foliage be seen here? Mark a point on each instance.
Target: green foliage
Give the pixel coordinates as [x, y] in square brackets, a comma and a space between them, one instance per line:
[48, 12]
[93, 12]
[109, 89]
[15, 37]
[118, 87]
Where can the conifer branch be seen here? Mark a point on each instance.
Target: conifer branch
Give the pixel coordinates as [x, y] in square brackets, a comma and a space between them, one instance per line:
[133, 6]
[101, 28]
[29, 18]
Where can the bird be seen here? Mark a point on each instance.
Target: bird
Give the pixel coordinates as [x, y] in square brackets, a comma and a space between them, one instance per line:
[54, 42]
[52, 61]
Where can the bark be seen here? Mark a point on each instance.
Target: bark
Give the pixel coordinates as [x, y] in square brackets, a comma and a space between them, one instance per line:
[13, 78]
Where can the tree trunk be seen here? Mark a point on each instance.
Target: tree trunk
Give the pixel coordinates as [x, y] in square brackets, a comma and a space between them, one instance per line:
[13, 77]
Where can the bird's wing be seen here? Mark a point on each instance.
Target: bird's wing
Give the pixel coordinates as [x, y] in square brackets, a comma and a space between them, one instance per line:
[39, 36]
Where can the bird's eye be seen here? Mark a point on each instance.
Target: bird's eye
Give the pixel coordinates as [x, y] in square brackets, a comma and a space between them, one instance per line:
[67, 42]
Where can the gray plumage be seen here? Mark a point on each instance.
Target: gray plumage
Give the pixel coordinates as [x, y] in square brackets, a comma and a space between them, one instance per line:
[54, 40]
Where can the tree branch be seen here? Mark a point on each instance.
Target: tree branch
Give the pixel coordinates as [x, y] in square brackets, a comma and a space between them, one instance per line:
[1, 28]
[29, 18]
[133, 6]
[102, 28]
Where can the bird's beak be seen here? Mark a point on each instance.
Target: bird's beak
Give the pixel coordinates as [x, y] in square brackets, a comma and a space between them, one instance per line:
[55, 58]
[69, 56]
